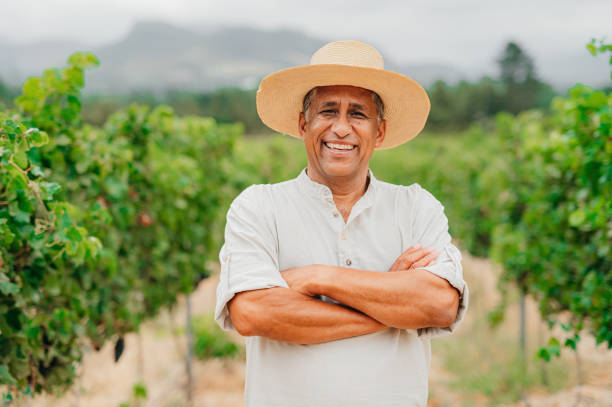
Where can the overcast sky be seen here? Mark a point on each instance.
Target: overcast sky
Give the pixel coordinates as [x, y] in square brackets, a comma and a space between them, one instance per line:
[464, 33]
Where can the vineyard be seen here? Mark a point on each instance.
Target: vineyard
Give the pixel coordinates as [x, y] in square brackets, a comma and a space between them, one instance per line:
[102, 227]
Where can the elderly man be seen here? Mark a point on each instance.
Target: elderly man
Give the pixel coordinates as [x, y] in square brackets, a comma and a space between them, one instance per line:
[336, 279]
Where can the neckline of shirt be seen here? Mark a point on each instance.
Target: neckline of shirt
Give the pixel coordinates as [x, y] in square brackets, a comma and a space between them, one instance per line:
[317, 190]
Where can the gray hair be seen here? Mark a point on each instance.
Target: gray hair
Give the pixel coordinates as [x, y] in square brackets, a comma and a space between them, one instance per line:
[309, 97]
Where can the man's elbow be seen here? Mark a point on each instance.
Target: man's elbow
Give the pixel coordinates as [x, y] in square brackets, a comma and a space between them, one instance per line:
[449, 306]
[242, 313]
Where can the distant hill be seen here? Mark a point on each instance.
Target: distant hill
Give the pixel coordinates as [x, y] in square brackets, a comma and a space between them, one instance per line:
[158, 56]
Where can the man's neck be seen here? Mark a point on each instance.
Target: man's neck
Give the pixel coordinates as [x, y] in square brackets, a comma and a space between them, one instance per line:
[345, 191]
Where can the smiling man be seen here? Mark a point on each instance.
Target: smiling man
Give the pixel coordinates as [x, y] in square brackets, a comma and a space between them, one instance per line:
[338, 280]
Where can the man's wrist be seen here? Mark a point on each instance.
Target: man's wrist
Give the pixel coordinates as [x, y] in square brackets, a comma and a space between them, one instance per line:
[319, 279]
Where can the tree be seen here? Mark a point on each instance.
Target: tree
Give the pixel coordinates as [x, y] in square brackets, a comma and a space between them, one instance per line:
[523, 90]
[515, 65]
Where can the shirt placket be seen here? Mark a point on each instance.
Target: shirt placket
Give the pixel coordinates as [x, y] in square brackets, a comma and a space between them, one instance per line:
[344, 247]
[341, 229]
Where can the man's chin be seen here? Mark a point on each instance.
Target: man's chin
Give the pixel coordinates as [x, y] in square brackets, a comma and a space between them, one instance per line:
[340, 172]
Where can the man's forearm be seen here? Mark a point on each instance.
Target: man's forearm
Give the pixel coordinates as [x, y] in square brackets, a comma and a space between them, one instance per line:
[286, 315]
[404, 299]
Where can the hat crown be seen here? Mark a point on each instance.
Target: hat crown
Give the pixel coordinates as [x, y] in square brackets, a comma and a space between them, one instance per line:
[353, 53]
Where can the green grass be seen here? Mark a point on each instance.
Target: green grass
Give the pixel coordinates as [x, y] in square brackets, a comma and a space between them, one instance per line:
[210, 341]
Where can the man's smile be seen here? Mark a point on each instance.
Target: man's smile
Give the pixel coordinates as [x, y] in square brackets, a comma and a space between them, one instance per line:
[340, 146]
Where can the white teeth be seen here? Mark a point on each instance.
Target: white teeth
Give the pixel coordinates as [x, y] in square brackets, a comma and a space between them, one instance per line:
[340, 146]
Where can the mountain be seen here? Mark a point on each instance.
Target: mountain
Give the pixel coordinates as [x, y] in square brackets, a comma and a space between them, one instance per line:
[158, 56]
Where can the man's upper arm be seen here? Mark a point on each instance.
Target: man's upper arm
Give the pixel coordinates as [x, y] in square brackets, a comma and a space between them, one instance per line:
[430, 229]
[249, 258]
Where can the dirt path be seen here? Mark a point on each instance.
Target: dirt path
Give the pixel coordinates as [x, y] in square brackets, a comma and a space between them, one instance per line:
[103, 383]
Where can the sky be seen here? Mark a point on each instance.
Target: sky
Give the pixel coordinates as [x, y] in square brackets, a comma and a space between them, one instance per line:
[462, 33]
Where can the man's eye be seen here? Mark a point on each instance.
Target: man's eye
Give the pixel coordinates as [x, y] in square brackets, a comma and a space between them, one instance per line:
[328, 112]
[359, 114]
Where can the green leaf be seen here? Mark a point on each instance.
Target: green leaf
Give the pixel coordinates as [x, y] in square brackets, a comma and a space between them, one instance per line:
[544, 354]
[592, 49]
[5, 376]
[577, 218]
[39, 138]
[21, 159]
[570, 343]
[49, 189]
[31, 87]
[36, 171]
[8, 288]
[139, 391]
[74, 234]
[65, 220]
[83, 60]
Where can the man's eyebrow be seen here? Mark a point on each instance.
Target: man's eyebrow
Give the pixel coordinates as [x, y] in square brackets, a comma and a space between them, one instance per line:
[332, 103]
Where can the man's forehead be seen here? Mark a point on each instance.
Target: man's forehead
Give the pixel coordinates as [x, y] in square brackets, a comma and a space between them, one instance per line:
[330, 95]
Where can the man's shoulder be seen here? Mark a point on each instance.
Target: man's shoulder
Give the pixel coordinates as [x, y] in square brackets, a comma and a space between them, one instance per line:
[263, 193]
[399, 189]
[410, 195]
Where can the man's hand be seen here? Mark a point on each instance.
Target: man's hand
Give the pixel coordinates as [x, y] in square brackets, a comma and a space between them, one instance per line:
[414, 257]
[300, 278]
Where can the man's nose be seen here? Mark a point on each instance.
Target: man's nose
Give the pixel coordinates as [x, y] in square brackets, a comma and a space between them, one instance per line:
[341, 126]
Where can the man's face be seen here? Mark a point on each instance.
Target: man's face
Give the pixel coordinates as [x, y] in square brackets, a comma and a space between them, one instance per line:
[341, 132]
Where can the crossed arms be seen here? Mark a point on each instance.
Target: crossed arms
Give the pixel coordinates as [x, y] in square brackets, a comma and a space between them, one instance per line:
[404, 298]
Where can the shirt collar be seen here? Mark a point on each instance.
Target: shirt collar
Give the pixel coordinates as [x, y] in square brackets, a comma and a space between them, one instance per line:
[315, 189]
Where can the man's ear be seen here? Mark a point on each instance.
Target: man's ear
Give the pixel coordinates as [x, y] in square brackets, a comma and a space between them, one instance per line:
[302, 125]
[380, 135]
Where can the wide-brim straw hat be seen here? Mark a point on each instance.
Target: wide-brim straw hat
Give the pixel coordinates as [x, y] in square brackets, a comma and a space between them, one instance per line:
[406, 104]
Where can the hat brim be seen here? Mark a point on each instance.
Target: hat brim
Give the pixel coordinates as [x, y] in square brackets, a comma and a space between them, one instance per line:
[280, 96]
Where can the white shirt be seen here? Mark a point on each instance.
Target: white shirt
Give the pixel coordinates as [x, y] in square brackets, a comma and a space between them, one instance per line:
[294, 223]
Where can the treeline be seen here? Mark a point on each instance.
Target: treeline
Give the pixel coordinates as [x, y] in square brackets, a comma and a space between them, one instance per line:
[454, 107]
[228, 105]
[7, 94]
[515, 90]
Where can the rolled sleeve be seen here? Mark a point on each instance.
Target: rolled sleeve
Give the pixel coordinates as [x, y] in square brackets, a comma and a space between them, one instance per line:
[249, 256]
[431, 230]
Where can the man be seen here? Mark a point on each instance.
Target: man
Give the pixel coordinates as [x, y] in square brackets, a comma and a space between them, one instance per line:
[336, 279]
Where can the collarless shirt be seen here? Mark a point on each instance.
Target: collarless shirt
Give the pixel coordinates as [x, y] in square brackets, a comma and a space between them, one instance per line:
[273, 227]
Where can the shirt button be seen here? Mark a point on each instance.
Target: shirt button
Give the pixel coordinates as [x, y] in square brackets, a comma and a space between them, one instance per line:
[348, 262]
[336, 214]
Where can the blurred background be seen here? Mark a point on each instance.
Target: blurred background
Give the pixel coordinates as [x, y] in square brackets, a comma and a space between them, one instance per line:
[208, 58]
[127, 128]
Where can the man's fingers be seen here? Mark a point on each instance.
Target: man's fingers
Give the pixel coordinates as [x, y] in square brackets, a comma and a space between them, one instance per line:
[396, 265]
[414, 256]
[424, 261]
[402, 262]
[419, 254]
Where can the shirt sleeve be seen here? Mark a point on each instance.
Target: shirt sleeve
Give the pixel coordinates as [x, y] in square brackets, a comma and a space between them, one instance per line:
[430, 229]
[249, 255]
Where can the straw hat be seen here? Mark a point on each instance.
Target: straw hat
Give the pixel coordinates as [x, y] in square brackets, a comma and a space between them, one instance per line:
[280, 95]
